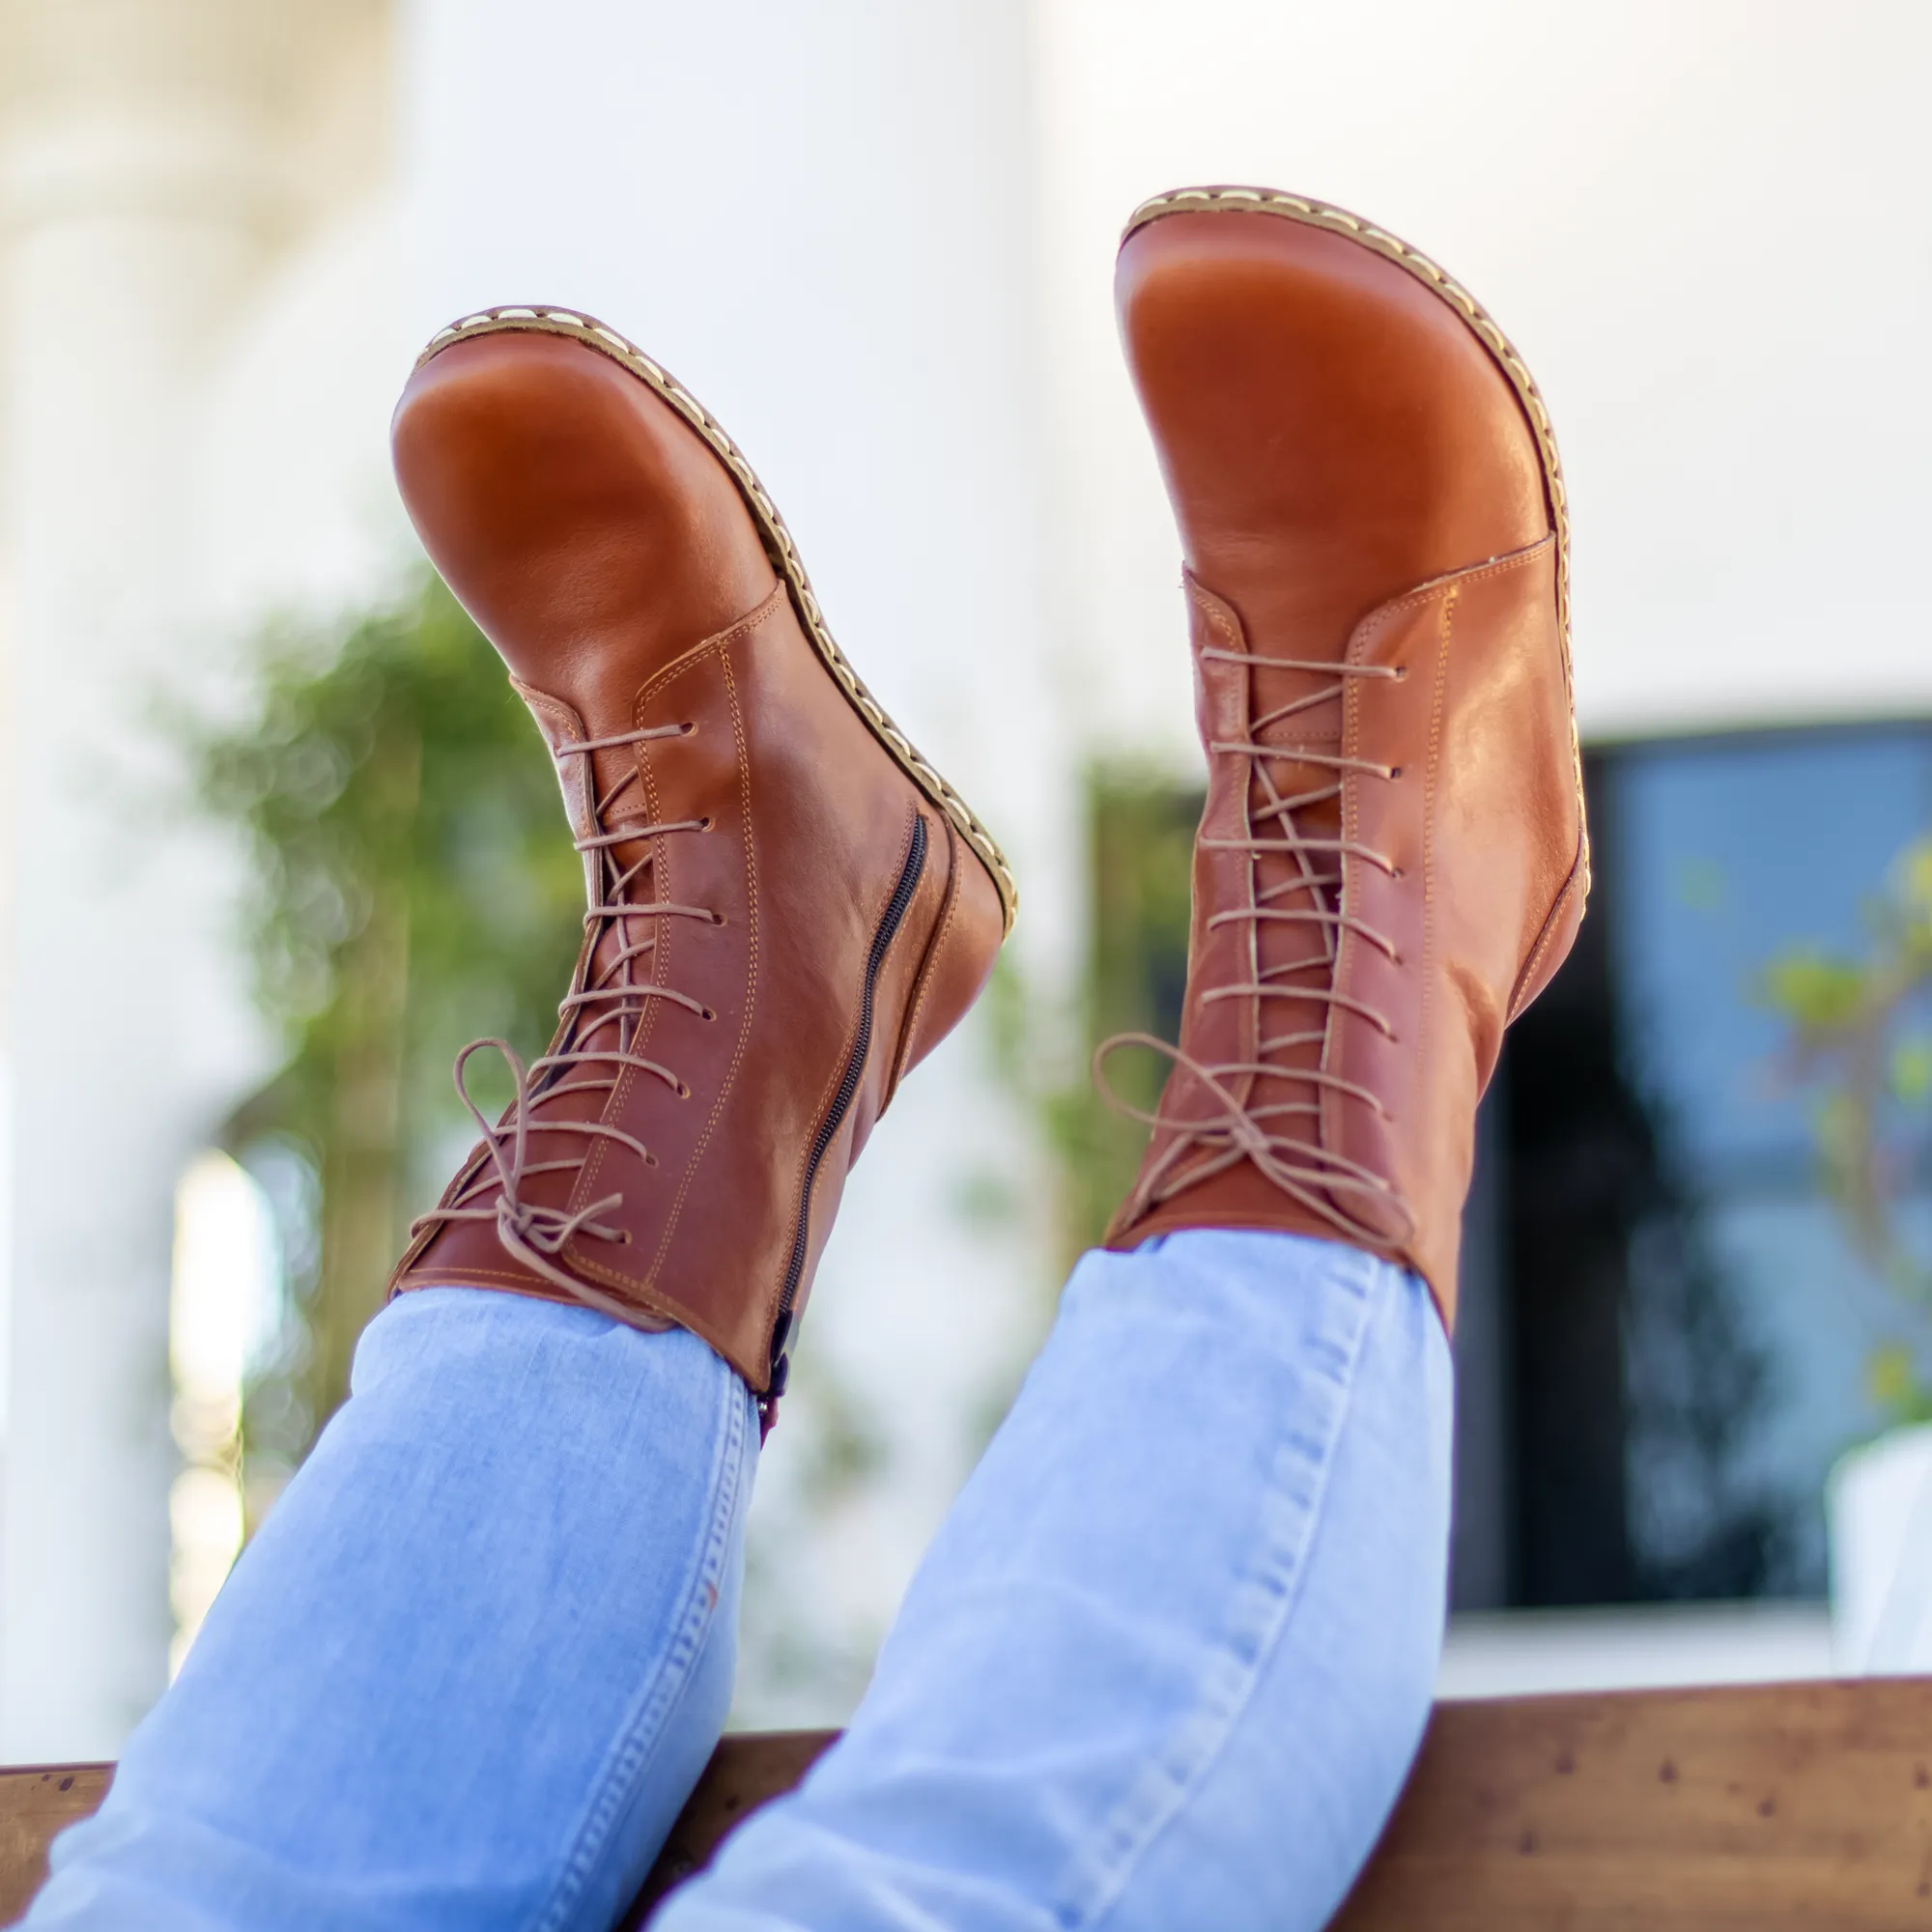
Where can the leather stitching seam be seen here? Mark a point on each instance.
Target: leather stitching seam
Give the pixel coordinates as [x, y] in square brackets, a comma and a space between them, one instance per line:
[929, 966]
[1547, 934]
[779, 545]
[801, 1204]
[726, 1086]
[1445, 631]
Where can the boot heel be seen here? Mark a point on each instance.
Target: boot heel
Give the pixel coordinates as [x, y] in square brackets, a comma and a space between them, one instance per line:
[958, 962]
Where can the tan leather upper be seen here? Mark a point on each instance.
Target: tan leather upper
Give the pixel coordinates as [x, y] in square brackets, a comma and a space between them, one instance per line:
[815, 926]
[1392, 860]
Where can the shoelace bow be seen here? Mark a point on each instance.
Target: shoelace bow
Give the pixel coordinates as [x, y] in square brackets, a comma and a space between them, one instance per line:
[614, 1000]
[1321, 1180]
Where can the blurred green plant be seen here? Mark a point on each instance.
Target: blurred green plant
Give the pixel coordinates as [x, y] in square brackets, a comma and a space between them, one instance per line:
[412, 886]
[1860, 1033]
[1139, 833]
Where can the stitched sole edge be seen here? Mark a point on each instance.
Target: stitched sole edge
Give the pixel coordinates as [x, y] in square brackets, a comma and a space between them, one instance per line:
[540, 319]
[1313, 214]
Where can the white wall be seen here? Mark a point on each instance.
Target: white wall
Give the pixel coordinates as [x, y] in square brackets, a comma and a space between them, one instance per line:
[1703, 222]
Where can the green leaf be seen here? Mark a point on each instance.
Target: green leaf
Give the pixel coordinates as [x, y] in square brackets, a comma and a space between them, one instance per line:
[1815, 991]
[412, 887]
[1892, 1377]
[1911, 1070]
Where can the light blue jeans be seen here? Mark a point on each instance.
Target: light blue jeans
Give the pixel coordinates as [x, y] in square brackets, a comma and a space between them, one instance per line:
[1165, 1666]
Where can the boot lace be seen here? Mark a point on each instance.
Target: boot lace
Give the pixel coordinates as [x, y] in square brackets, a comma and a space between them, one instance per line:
[602, 1013]
[1327, 1184]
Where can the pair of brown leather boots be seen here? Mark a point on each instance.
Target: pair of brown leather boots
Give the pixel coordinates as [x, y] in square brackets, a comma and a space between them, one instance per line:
[789, 908]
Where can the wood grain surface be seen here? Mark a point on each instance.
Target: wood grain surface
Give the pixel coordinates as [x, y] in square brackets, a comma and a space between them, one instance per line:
[38, 1801]
[745, 1771]
[1789, 1806]
[1796, 1805]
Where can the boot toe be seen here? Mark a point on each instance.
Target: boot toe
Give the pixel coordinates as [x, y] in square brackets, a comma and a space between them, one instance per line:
[1331, 431]
[573, 513]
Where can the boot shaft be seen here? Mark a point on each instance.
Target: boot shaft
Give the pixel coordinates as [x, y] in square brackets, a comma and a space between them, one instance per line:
[1392, 859]
[786, 909]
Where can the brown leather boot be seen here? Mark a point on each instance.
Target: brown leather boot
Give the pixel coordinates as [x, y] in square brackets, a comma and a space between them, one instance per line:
[788, 907]
[1392, 862]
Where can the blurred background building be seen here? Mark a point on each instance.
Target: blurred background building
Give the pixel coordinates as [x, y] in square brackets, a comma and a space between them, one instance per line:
[877, 240]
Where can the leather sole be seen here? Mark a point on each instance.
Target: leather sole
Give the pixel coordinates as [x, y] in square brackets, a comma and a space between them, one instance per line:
[1474, 317]
[779, 545]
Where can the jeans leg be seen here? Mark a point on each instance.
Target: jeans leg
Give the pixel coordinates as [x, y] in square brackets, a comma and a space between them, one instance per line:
[1169, 1660]
[469, 1671]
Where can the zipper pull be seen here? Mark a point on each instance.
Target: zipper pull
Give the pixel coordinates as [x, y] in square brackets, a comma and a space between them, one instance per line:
[780, 1376]
[780, 1359]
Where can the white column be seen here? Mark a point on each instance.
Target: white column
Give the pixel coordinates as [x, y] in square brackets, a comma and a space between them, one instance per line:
[135, 213]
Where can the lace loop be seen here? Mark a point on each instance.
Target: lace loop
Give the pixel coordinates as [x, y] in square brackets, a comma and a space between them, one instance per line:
[606, 998]
[1335, 1189]
[1238, 1134]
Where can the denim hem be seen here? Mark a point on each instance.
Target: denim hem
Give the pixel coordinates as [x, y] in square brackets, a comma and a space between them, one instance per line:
[1261, 1605]
[666, 1675]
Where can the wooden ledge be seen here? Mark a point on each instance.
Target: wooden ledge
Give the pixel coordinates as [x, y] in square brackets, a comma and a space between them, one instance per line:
[1794, 1805]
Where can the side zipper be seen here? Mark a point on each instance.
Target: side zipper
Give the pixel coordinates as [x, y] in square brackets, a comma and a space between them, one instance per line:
[890, 922]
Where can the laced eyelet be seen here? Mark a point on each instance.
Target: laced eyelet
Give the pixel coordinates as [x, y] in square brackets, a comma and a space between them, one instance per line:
[705, 824]
[1232, 1128]
[532, 1233]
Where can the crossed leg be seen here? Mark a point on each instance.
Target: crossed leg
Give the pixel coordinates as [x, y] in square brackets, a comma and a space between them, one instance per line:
[1171, 1656]
[1166, 1664]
